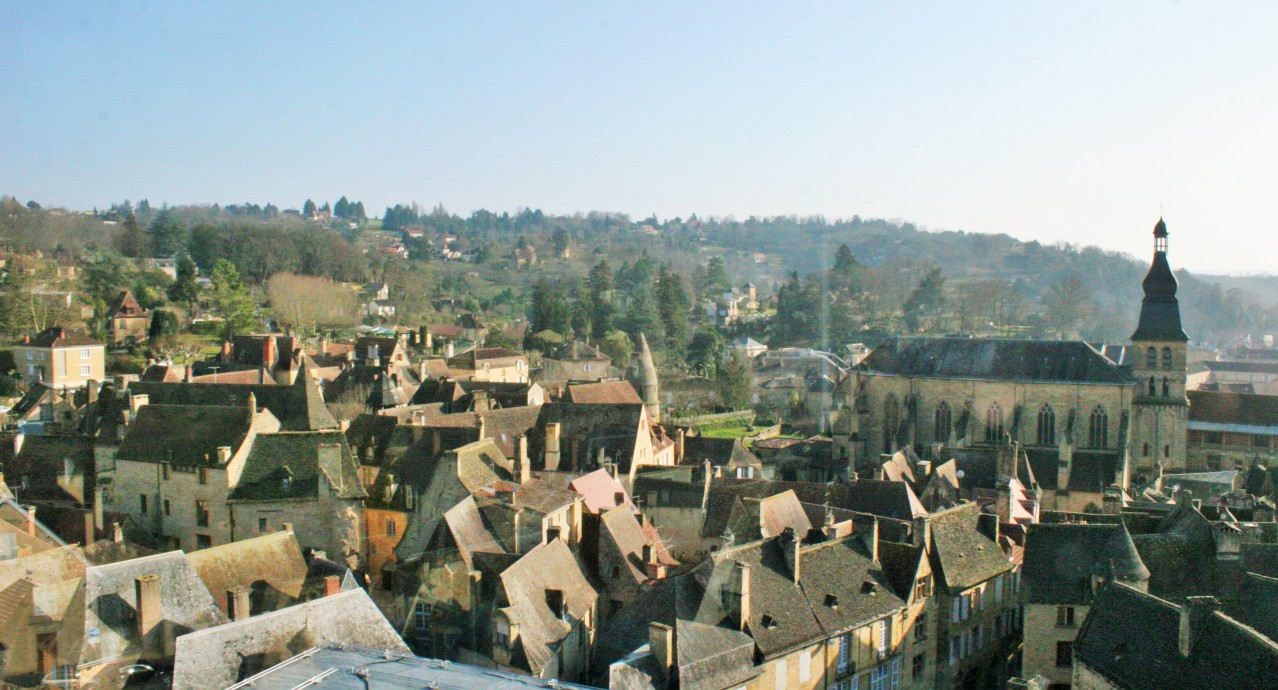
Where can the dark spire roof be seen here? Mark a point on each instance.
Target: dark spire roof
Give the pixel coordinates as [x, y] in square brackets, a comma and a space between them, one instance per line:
[1160, 311]
[1119, 559]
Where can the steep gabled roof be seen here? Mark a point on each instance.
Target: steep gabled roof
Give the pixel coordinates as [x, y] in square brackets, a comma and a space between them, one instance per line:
[994, 359]
[271, 567]
[550, 566]
[1060, 560]
[1132, 639]
[184, 434]
[299, 407]
[965, 555]
[292, 465]
[602, 392]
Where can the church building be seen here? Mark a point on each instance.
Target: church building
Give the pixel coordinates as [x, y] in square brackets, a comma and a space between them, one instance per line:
[1083, 421]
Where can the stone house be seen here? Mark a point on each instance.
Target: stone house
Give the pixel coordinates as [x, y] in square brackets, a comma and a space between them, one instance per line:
[60, 358]
[490, 364]
[127, 322]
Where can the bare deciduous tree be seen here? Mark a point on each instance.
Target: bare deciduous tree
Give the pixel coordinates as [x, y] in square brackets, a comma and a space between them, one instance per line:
[301, 303]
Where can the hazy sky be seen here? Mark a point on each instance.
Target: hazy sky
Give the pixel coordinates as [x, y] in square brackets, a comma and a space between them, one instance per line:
[1077, 121]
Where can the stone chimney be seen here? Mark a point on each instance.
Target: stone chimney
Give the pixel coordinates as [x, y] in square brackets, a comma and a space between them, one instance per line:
[480, 402]
[436, 441]
[137, 402]
[679, 445]
[268, 351]
[707, 471]
[147, 589]
[872, 539]
[653, 567]
[252, 404]
[661, 640]
[741, 586]
[827, 526]
[31, 520]
[793, 546]
[922, 533]
[481, 426]
[522, 473]
[332, 585]
[1192, 616]
[553, 432]
[117, 533]
[91, 388]
[223, 455]
[237, 604]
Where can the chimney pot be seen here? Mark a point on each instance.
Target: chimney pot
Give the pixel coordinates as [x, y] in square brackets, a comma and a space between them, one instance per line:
[147, 589]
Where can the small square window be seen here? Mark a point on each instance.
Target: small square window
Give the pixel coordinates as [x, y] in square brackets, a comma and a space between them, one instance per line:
[84, 353]
[203, 541]
[86, 370]
[261, 524]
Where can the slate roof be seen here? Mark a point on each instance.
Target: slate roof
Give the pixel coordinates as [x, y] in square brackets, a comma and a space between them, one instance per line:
[721, 452]
[611, 426]
[711, 657]
[447, 391]
[469, 532]
[965, 556]
[1255, 603]
[289, 465]
[504, 426]
[110, 598]
[185, 435]
[1180, 555]
[271, 567]
[57, 336]
[1261, 559]
[107, 551]
[799, 615]
[1060, 560]
[30, 400]
[549, 566]
[299, 407]
[214, 658]
[994, 359]
[1132, 639]
[1233, 408]
[41, 469]
[338, 667]
[883, 498]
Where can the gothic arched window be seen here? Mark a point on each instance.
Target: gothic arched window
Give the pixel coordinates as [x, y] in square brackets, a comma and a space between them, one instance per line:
[1046, 426]
[1167, 358]
[1151, 358]
[1166, 388]
[1098, 429]
[891, 421]
[1152, 388]
[994, 424]
[943, 423]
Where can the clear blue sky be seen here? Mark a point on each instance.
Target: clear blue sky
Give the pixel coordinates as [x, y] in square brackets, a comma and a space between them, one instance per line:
[1075, 121]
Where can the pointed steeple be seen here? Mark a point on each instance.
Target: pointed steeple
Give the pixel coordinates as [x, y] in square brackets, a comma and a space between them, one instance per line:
[1160, 310]
[1119, 560]
[647, 382]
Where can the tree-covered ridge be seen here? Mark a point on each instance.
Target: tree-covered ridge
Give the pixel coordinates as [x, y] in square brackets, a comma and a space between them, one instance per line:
[826, 281]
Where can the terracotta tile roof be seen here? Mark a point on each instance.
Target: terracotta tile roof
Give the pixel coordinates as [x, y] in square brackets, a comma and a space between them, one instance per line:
[602, 392]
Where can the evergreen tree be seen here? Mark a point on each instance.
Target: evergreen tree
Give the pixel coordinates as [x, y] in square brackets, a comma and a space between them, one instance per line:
[706, 352]
[643, 316]
[716, 280]
[924, 306]
[342, 208]
[798, 318]
[550, 309]
[185, 290]
[733, 384]
[168, 234]
[131, 242]
[559, 241]
[673, 303]
[308, 208]
[232, 299]
[602, 311]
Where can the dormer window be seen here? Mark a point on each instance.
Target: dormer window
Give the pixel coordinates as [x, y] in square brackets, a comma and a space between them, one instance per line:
[768, 621]
[832, 601]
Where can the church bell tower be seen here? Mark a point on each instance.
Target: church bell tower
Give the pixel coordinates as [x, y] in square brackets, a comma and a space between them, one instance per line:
[1160, 410]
